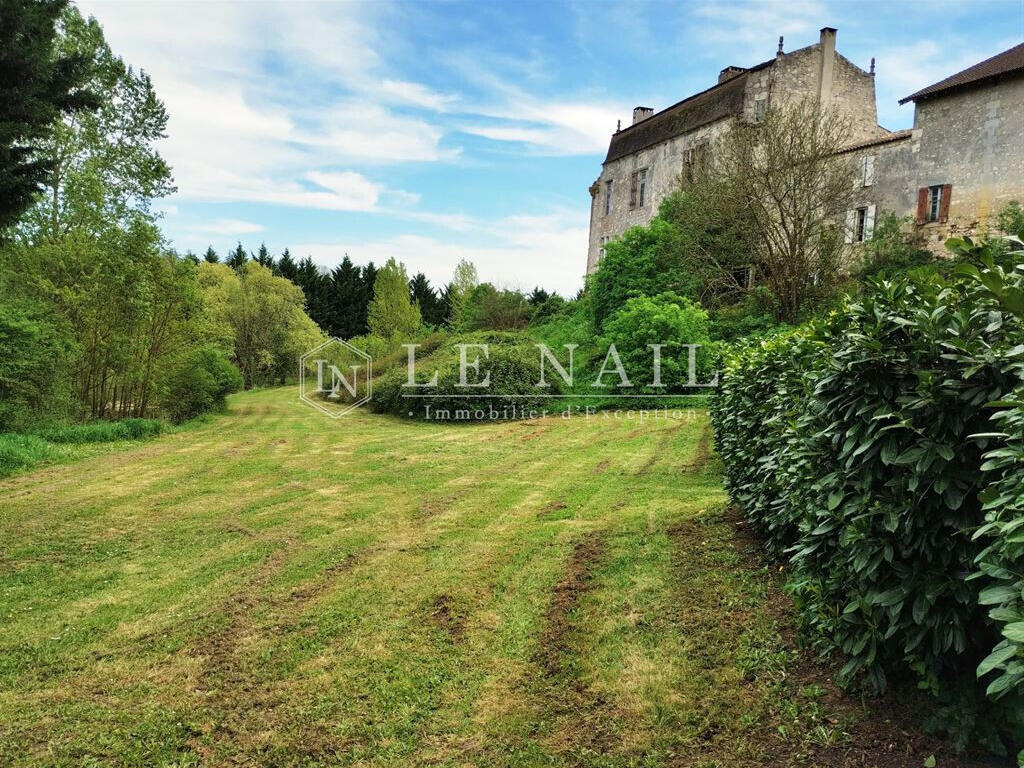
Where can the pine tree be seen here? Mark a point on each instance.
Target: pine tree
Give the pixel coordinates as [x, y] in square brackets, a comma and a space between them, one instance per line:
[314, 286]
[286, 266]
[211, 255]
[538, 297]
[237, 258]
[391, 314]
[426, 298]
[263, 257]
[189, 256]
[368, 277]
[347, 307]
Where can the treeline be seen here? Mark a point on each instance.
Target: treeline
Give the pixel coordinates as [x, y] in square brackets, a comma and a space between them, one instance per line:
[338, 300]
[99, 317]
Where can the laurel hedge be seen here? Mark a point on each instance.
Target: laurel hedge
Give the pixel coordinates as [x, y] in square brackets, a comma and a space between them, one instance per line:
[879, 450]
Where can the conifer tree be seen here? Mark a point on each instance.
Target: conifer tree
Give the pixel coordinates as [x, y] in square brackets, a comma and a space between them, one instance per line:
[211, 256]
[237, 257]
[286, 266]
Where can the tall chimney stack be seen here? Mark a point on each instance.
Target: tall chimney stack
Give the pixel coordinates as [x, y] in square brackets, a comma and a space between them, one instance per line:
[641, 113]
[827, 45]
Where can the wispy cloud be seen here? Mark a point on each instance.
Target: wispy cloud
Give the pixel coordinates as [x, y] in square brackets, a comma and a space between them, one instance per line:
[229, 228]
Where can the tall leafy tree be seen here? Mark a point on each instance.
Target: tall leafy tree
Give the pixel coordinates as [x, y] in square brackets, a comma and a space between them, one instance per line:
[38, 85]
[391, 314]
[463, 282]
[104, 168]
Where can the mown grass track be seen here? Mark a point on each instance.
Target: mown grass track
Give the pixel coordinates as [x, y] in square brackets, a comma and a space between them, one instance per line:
[276, 588]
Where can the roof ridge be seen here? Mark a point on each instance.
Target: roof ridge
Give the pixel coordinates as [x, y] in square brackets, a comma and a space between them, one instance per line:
[983, 70]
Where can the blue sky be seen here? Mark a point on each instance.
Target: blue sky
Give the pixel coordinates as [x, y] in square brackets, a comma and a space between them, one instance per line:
[435, 131]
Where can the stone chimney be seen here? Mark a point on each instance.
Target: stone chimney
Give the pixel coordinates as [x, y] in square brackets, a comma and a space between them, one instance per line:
[729, 72]
[827, 46]
[641, 113]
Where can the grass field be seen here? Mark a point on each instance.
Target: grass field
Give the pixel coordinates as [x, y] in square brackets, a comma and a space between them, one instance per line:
[277, 588]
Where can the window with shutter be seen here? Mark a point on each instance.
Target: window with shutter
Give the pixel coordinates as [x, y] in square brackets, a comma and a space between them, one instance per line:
[869, 222]
[947, 193]
[922, 205]
[632, 190]
[868, 171]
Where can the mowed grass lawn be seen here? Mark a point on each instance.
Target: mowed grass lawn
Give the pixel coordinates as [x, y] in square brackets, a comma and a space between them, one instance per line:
[277, 588]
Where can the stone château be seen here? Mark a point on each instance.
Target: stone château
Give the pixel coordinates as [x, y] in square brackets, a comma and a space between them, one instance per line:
[962, 161]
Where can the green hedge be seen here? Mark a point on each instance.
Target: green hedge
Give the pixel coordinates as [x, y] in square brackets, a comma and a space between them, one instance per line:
[514, 367]
[866, 450]
[103, 431]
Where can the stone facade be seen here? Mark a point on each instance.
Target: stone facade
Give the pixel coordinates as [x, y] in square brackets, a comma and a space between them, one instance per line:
[655, 149]
[961, 163]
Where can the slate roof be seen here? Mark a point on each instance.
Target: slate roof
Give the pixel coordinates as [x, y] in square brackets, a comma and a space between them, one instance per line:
[1007, 62]
[722, 100]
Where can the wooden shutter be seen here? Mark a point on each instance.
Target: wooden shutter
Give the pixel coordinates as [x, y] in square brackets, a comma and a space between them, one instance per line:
[632, 190]
[947, 192]
[869, 222]
[922, 205]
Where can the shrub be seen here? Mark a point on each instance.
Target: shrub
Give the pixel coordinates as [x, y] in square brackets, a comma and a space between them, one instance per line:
[200, 382]
[1011, 219]
[490, 309]
[513, 363]
[862, 447]
[895, 246]
[666, 319]
[19, 452]
[643, 262]
[35, 352]
[103, 431]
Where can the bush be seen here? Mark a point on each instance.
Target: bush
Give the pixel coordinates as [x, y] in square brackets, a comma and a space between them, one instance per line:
[643, 262]
[858, 446]
[514, 366]
[895, 246]
[200, 382]
[36, 351]
[666, 319]
[1011, 219]
[19, 452]
[488, 309]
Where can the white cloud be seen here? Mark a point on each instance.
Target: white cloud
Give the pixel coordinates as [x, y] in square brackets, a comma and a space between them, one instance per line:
[227, 228]
[755, 21]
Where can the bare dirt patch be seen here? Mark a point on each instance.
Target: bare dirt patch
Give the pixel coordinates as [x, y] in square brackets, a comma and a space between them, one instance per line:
[448, 617]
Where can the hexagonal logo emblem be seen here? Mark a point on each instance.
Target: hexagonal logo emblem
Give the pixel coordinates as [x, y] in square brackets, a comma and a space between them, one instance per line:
[335, 377]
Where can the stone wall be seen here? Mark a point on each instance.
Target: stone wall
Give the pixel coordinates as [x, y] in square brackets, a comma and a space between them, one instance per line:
[974, 140]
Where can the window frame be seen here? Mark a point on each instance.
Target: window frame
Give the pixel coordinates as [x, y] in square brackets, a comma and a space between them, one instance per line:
[934, 210]
[607, 198]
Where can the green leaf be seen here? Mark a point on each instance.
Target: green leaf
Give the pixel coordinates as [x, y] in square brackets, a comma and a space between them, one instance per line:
[1014, 631]
[1001, 654]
